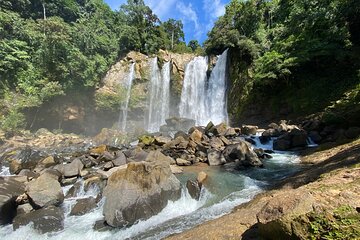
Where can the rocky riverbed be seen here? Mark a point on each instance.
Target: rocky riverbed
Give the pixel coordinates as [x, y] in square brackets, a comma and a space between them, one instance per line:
[58, 179]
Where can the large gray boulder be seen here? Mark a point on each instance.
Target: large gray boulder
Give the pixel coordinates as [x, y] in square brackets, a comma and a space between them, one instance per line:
[293, 139]
[242, 153]
[45, 191]
[10, 189]
[215, 158]
[50, 219]
[139, 192]
[26, 158]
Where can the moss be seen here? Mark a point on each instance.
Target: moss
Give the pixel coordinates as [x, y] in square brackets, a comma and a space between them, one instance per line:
[343, 224]
[110, 100]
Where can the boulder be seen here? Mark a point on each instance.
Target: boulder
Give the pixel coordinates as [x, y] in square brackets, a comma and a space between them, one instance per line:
[162, 140]
[24, 208]
[176, 169]
[139, 192]
[219, 130]
[45, 191]
[26, 158]
[73, 169]
[83, 206]
[49, 219]
[101, 226]
[74, 190]
[120, 159]
[230, 132]
[315, 136]
[243, 153]
[201, 177]
[216, 143]
[47, 162]
[96, 182]
[97, 151]
[215, 158]
[108, 166]
[136, 154]
[28, 173]
[294, 138]
[249, 129]
[9, 191]
[154, 156]
[193, 188]
[68, 181]
[196, 136]
[281, 144]
[182, 162]
[146, 140]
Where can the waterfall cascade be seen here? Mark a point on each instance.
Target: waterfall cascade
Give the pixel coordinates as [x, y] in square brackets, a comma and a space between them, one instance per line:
[201, 99]
[159, 98]
[125, 103]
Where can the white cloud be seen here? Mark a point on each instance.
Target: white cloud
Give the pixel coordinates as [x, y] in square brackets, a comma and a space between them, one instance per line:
[161, 8]
[213, 9]
[188, 13]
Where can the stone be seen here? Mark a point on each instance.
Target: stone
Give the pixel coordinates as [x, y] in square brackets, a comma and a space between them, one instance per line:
[28, 173]
[220, 129]
[216, 143]
[215, 158]
[136, 154]
[83, 206]
[209, 127]
[74, 190]
[182, 162]
[10, 189]
[101, 226]
[96, 182]
[45, 191]
[97, 151]
[26, 158]
[264, 139]
[139, 192]
[193, 189]
[154, 156]
[120, 159]
[201, 177]
[48, 162]
[24, 208]
[243, 153]
[250, 140]
[73, 169]
[108, 166]
[230, 132]
[225, 140]
[281, 144]
[249, 129]
[146, 139]
[107, 174]
[68, 181]
[181, 134]
[162, 140]
[196, 136]
[176, 169]
[49, 219]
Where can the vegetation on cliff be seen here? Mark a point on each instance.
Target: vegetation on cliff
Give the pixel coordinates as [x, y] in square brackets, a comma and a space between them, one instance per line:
[303, 54]
[49, 48]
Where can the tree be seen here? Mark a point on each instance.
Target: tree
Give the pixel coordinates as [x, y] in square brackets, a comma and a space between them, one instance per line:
[193, 44]
[174, 29]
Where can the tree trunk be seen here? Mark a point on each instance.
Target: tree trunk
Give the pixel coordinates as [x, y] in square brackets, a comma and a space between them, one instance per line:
[172, 40]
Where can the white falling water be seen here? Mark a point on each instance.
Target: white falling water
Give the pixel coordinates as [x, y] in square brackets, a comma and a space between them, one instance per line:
[193, 95]
[204, 100]
[125, 103]
[159, 98]
[216, 93]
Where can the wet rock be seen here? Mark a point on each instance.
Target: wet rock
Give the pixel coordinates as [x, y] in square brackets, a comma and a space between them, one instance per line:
[181, 134]
[101, 226]
[219, 130]
[74, 190]
[182, 162]
[45, 191]
[281, 144]
[264, 139]
[251, 141]
[215, 158]
[97, 151]
[120, 159]
[96, 182]
[49, 219]
[47, 162]
[9, 190]
[68, 181]
[230, 132]
[193, 189]
[154, 156]
[249, 129]
[73, 169]
[83, 206]
[139, 192]
[292, 139]
[242, 152]
[24, 208]
[26, 158]
[225, 140]
[201, 177]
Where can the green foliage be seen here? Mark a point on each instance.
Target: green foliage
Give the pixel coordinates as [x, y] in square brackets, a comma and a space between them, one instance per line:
[13, 121]
[342, 224]
[110, 100]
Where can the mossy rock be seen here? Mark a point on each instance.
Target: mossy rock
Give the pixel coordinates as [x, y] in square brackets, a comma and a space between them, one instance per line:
[146, 139]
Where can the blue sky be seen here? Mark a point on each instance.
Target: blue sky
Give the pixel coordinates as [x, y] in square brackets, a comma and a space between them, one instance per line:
[198, 16]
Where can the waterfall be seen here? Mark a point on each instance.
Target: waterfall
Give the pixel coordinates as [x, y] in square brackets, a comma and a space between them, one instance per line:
[201, 99]
[159, 97]
[216, 94]
[193, 95]
[125, 103]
